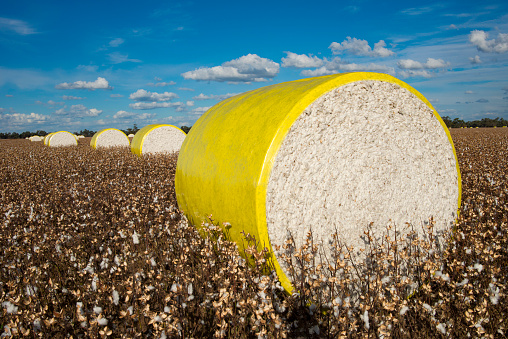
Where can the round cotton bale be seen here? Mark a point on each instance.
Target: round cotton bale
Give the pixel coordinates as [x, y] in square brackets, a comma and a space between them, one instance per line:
[36, 138]
[131, 135]
[157, 138]
[81, 136]
[109, 137]
[62, 138]
[327, 154]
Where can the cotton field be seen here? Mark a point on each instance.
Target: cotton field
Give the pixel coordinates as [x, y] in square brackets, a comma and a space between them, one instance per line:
[93, 245]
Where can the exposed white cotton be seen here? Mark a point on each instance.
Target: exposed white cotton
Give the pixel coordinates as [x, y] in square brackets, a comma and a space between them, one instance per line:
[135, 238]
[116, 297]
[366, 152]
[10, 307]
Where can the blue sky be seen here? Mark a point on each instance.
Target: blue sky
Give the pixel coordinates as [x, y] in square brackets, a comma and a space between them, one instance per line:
[68, 65]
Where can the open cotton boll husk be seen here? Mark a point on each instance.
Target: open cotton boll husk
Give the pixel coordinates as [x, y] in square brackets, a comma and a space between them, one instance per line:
[109, 137]
[157, 138]
[329, 154]
[62, 138]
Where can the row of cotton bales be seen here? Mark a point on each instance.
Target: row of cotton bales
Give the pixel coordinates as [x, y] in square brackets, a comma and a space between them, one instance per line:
[156, 138]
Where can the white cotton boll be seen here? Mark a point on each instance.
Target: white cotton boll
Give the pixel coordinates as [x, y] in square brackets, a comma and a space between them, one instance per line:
[135, 238]
[494, 298]
[163, 335]
[104, 263]
[441, 328]
[94, 283]
[11, 308]
[152, 262]
[174, 288]
[117, 260]
[102, 321]
[166, 309]
[365, 318]
[468, 251]
[37, 325]
[131, 310]
[427, 307]
[403, 310]
[314, 330]
[478, 267]
[116, 297]
[463, 282]
[121, 234]
[189, 289]
[30, 290]
[97, 310]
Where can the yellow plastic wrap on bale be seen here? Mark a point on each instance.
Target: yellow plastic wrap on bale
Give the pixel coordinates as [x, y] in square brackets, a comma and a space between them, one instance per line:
[93, 142]
[46, 138]
[139, 137]
[225, 162]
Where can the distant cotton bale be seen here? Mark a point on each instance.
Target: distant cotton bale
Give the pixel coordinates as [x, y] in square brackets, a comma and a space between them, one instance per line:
[157, 138]
[81, 136]
[62, 138]
[109, 137]
[338, 153]
[131, 135]
[36, 138]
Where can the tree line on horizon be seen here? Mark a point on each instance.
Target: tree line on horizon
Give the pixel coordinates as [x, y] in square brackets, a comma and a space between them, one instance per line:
[450, 123]
[485, 122]
[84, 132]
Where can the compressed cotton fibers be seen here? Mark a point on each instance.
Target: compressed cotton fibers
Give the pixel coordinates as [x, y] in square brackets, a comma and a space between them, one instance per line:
[62, 138]
[366, 152]
[109, 137]
[157, 139]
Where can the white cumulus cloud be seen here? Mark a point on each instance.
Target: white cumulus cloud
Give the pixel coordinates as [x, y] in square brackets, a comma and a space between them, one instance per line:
[361, 47]
[78, 111]
[127, 115]
[337, 65]
[71, 97]
[429, 64]
[142, 95]
[162, 84]
[202, 96]
[100, 83]
[118, 58]
[498, 45]
[20, 119]
[154, 104]
[415, 73]
[17, 26]
[247, 68]
[301, 61]
[475, 60]
[116, 42]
